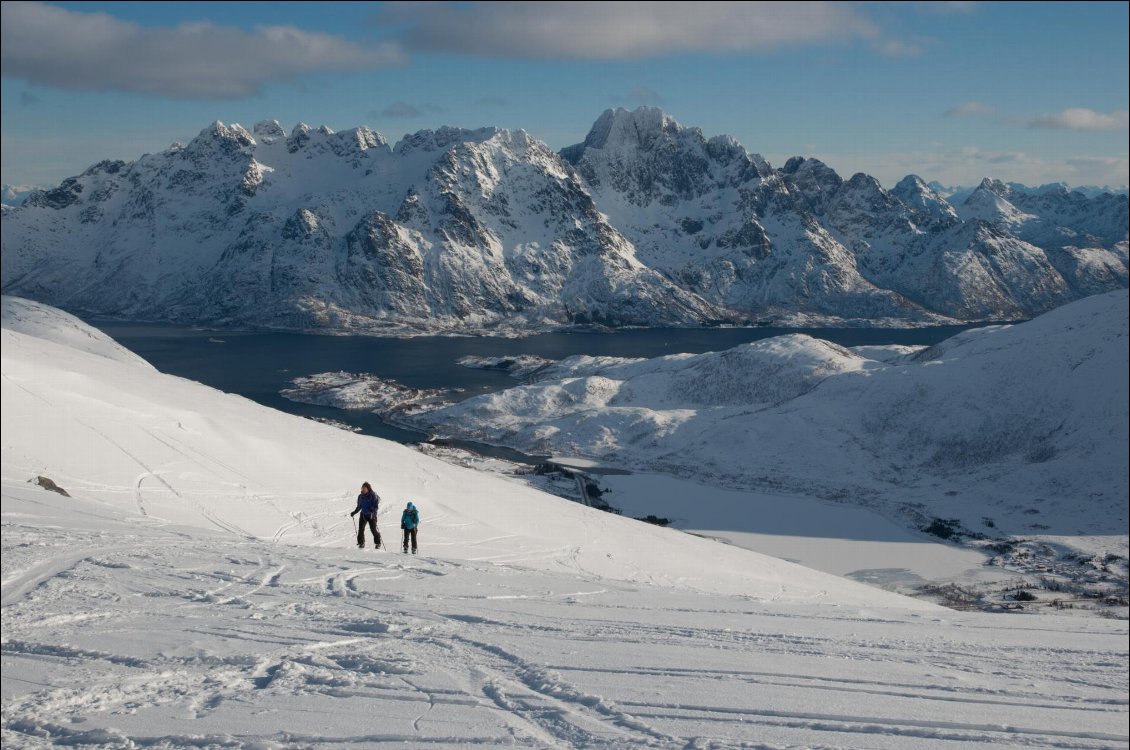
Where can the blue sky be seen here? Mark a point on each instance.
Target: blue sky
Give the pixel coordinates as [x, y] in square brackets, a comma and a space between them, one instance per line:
[1032, 92]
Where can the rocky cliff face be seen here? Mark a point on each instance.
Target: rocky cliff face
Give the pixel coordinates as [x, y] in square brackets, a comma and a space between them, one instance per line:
[803, 240]
[646, 223]
[453, 229]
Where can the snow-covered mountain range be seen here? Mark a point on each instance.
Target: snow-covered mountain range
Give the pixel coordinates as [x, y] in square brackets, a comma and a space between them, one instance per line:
[958, 193]
[646, 222]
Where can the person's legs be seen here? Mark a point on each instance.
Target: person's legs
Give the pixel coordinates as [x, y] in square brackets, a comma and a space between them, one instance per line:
[373, 528]
[361, 531]
[413, 541]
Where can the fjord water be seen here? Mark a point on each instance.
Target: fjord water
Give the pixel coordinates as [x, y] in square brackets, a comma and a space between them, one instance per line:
[258, 365]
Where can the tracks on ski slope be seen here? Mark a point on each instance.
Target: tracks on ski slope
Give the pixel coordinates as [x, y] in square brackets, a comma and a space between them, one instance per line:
[454, 653]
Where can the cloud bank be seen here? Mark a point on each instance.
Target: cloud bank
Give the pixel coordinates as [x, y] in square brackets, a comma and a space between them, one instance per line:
[624, 30]
[1079, 118]
[52, 46]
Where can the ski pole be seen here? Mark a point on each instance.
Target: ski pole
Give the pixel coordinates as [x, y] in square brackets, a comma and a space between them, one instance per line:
[354, 520]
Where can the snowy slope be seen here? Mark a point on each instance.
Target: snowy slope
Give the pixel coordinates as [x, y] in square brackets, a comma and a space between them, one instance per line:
[1016, 430]
[50, 324]
[197, 589]
[165, 448]
[646, 222]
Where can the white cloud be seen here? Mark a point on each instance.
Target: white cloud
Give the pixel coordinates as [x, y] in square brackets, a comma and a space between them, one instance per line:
[625, 30]
[53, 46]
[969, 108]
[1078, 118]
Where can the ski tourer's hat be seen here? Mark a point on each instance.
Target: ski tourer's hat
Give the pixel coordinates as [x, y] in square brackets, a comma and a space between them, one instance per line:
[410, 505]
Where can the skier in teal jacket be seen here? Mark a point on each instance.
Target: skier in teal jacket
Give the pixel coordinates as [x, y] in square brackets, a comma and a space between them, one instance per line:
[410, 521]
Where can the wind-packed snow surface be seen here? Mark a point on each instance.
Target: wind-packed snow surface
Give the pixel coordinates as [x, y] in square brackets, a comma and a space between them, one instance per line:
[645, 223]
[197, 587]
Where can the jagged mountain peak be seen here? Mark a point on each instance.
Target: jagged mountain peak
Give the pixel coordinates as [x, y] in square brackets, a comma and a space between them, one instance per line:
[912, 183]
[461, 229]
[649, 132]
[864, 182]
[620, 128]
[811, 168]
[990, 203]
[996, 187]
[863, 193]
[443, 138]
[806, 163]
[813, 179]
[219, 132]
[920, 197]
[989, 192]
[268, 129]
[362, 137]
[726, 149]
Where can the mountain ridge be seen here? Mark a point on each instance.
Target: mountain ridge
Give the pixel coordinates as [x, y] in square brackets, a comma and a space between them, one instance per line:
[644, 223]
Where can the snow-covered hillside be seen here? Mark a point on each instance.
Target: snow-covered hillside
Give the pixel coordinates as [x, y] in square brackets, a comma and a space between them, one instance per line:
[1012, 432]
[197, 587]
[646, 222]
[122, 435]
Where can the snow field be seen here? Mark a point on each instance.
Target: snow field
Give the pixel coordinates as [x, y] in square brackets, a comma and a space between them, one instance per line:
[199, 589]
[118, 633]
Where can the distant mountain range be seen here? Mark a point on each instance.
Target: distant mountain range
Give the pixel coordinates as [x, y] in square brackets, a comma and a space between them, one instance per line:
[645, 223]
[959, 193]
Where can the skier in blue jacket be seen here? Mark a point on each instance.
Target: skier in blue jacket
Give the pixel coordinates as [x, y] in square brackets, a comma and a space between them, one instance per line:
[367, 504]
[409, 521]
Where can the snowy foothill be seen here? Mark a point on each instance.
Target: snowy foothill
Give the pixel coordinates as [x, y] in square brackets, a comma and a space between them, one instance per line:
[346, 390]
[520, 366]
[1010, 438]
[197, 585]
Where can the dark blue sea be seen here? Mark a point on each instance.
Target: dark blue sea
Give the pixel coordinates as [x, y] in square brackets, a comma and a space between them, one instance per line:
[258, 365]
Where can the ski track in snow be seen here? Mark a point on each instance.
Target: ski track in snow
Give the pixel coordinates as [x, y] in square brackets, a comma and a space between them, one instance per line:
[445, 653]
